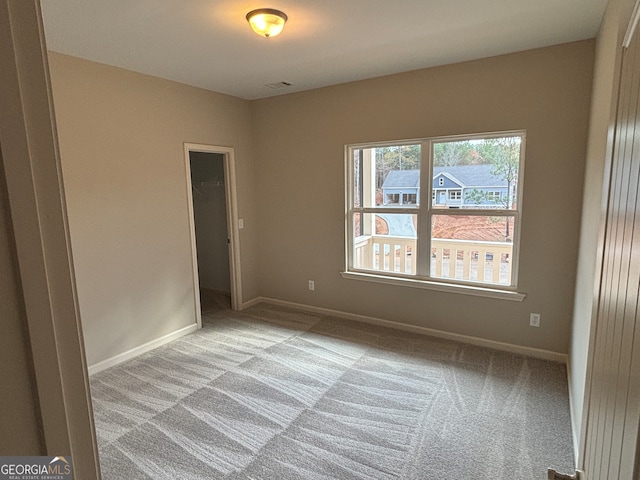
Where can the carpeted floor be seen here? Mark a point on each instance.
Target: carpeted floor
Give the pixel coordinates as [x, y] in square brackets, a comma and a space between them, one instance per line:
[273, 393]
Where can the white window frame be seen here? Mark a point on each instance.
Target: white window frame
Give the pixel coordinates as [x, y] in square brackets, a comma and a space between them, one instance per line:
[425, 210]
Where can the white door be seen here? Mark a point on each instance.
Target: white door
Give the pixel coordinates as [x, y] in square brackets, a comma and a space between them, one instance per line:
[612, 404]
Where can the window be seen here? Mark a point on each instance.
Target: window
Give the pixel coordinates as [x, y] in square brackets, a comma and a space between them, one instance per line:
[393, 198]
[409, 198]
[475, 244]
[494, 197]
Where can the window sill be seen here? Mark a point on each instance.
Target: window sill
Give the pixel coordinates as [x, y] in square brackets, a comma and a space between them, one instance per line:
[440, 287]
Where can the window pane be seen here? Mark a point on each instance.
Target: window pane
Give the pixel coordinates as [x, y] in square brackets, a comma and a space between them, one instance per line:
[387, 242]
[357, 224]
[387, 176]
[472, 248]
[476, 173]
[357, 177]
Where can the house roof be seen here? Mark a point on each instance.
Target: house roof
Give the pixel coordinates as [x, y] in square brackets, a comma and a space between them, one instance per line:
[465, 175]
[472, 175]
[402, 179]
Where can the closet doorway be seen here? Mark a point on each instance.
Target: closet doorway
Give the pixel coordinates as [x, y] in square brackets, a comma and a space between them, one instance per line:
[214, 228]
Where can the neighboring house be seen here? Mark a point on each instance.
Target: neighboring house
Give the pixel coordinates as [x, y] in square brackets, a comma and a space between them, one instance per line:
[401, 187]
[453, 187]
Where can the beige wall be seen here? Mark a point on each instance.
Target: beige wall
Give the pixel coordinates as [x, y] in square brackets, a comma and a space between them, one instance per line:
[299, 145]
[606, 72]
[19, 415]
[121, 136]
[121, 142]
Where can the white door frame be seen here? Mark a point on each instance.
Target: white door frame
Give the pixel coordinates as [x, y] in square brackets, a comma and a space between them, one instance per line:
[232, 223]
[42, 255]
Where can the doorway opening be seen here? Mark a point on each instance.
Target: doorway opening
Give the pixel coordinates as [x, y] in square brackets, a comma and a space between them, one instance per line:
[214, 228]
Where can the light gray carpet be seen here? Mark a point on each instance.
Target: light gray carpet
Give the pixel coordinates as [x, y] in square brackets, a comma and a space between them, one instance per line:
[273, 393]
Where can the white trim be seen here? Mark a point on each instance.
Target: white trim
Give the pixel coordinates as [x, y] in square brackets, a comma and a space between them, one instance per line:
[456, 337]
[255, 301]
[439, 287]
[234, 229]
[46, 281]
[633, 24]
[139, 350]
[192, 235]
[232, 224]
[572, 414]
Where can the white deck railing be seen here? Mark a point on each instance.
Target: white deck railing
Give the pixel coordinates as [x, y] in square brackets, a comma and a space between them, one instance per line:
[478, 261]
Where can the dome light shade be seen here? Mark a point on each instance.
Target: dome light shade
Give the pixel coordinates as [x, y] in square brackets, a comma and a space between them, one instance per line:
[266, 22]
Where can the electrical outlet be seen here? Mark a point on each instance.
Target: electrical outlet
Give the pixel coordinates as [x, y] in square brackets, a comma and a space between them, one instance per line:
[534, 320]
[312, 285]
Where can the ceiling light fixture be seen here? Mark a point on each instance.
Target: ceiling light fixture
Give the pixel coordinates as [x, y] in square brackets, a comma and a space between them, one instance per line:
[266, 22]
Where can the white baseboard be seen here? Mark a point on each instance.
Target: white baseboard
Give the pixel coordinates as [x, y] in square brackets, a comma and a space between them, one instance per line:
[134, 352]
[482, 342]
[256, 301]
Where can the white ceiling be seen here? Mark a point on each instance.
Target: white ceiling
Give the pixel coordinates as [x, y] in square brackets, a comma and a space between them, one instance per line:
[209, 44]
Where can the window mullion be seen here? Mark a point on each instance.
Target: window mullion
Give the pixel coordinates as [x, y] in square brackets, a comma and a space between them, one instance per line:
[424, 216]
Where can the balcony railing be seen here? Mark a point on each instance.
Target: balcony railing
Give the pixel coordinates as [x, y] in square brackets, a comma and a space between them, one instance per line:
[466, 260]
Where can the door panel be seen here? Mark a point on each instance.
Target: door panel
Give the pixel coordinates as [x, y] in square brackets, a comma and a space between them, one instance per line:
[614, 396]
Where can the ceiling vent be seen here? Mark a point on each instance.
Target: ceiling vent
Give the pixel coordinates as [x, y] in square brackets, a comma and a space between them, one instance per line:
[278, 85]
